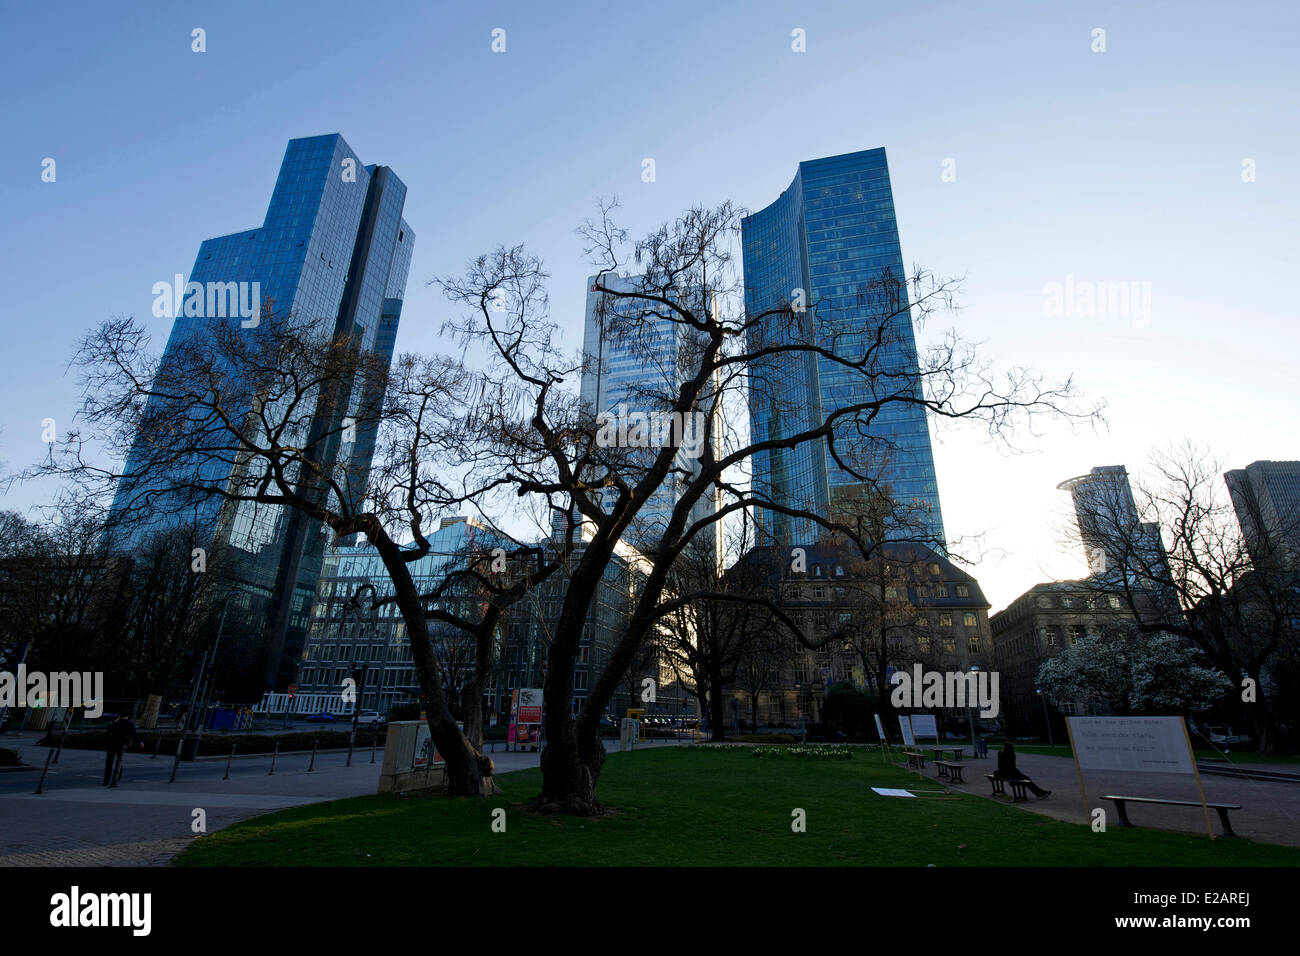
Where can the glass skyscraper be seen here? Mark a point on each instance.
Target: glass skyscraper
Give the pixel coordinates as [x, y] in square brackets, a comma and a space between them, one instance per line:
[641, 369]
[830, 245]
[333, 252]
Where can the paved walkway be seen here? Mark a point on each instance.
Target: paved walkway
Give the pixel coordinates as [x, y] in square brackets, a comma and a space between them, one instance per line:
[145, 821]
[1270, 811]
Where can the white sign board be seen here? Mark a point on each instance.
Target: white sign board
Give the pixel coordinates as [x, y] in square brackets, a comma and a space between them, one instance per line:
[1151, 744]
[923, 725]
[891, 792]
[905, 725]
[880, 728]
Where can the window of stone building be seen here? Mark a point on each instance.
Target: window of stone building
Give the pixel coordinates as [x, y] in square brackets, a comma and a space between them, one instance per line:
[1050, 634]
[819, 593]
[1077, 633]
[945, 620]
[949, 645]
[968, 619]
[934, 567]
[974, 646]
[1114, 601]
[963, 590]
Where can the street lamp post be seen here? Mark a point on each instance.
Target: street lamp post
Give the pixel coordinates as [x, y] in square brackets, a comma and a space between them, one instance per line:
[358, 672]
[1051, 741]
[969, 719]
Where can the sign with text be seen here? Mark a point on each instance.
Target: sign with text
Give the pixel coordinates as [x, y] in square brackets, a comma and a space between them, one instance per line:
[905, 725]
[880, 728]
[1151, 744]
[530, 705]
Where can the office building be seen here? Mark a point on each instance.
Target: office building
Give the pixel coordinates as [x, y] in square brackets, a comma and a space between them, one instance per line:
[332, 255]
[1266, 497]
[829, 246]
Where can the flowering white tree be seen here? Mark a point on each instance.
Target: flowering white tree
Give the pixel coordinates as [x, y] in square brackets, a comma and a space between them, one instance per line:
[1134, 673]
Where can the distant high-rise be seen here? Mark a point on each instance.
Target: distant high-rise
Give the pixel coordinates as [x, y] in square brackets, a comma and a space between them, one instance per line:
[1266, 497]
[830, 243]
[1110, 528]
[333, 252]
[640, 370]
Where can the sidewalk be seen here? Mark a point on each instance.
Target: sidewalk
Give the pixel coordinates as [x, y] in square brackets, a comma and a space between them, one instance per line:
[145, 821]
[1270, 812]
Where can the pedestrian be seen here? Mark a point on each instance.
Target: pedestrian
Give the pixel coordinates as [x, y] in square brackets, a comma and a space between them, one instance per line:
[1008, 770]
[120, 734]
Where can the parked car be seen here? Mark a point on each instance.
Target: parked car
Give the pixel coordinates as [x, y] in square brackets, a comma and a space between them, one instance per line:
[371, 719]
[322, 718]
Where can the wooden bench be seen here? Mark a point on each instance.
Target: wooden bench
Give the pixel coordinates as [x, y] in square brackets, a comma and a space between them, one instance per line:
[915, 760]
[950, 768]
[1018, 787]
[1221, 808]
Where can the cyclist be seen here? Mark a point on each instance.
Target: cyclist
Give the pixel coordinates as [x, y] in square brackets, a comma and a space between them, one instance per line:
[120, 734]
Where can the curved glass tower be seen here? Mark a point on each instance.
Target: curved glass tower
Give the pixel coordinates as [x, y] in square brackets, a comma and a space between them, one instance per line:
[831, 242]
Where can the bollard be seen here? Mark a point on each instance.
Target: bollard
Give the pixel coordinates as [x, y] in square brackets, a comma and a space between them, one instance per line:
[312, 765]
[372, 748]
[228, 759]
[157, 742]
[274, 754]
[40, 784]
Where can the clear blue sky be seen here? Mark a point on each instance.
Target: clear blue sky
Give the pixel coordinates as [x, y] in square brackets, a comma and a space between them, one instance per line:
[1115, 166]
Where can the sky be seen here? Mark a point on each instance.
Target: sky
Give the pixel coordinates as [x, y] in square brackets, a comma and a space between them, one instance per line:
[1020, 154]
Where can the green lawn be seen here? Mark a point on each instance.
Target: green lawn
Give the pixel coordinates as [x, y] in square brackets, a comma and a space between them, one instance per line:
[708, 808]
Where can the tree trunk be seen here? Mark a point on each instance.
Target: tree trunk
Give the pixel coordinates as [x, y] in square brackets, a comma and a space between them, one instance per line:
[571, 764]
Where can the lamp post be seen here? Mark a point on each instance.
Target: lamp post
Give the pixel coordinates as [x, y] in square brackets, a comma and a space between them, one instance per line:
[358, 670]
[969, 719]
[1051, 741]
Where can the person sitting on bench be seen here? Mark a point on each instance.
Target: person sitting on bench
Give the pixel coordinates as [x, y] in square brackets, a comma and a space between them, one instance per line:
[1007, 770]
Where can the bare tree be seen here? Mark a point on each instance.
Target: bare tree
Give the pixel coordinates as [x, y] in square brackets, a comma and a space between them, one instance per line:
[233, 420]
[545, 445]
[705, 638]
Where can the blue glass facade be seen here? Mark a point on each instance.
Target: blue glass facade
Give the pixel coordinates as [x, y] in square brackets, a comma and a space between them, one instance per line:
[643, 371]
[833, 235]
[333, 252]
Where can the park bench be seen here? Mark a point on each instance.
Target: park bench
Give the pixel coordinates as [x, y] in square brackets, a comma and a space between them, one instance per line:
[915, 760]
[950, 768]
[1018, 787]
[1221, 808]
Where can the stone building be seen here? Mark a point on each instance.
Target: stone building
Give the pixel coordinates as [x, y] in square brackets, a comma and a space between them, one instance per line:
[907, 605]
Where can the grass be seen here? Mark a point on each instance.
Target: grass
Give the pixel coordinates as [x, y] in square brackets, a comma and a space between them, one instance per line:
[704, 807]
